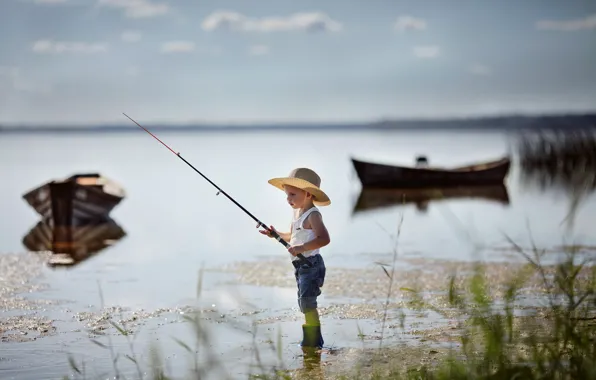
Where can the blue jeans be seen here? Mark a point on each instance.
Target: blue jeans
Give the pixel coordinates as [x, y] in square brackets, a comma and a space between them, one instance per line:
[309, 281]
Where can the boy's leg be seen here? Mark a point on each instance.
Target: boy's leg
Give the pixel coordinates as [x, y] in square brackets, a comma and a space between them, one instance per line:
[308, 281]
[311, 317]
[311, 314]
[308, 291]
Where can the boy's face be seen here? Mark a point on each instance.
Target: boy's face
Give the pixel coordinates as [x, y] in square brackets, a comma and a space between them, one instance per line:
[296, 197]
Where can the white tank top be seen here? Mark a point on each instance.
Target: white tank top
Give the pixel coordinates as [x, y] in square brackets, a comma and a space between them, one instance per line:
[301, 235]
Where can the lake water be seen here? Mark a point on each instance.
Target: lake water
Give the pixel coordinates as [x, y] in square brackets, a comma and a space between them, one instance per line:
[175, 223]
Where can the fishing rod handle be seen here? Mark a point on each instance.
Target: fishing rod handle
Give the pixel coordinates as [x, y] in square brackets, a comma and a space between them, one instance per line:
[276, 236]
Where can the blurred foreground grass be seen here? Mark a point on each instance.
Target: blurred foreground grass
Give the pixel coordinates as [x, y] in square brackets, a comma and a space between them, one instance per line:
[497, 336]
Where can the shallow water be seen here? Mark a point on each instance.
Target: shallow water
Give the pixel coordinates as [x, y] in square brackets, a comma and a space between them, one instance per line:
[175, 224]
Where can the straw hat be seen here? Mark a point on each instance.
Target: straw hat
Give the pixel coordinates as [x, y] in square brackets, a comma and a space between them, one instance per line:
[305, 179]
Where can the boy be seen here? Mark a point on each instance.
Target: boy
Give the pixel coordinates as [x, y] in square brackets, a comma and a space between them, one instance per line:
[307, 234]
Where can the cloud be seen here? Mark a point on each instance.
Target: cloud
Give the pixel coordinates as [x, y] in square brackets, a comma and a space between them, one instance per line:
[259, 50]
[137, 8]
[306, 21]
[131, 36]
[178, 47]
[56, 47]
[427, 52]
[404, 23]
[587, 23]
[480, 69]
[19, 82]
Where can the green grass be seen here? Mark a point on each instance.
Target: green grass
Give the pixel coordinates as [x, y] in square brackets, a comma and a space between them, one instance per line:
[557, 341]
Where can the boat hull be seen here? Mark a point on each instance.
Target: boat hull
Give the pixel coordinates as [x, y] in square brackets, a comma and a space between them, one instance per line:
[390, 176]
[70, 203]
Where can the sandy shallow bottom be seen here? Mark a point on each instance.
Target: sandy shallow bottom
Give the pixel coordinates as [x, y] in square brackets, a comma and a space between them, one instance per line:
[358, 312]
[18, 277]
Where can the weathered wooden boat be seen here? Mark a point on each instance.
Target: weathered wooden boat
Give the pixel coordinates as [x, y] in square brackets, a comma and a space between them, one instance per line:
[391, 176]
[75, 200]
[71, 245]
[377, 198]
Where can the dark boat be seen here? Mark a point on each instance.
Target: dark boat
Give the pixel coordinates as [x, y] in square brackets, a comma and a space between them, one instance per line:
[71, 245]
[391, 176]
[75, 200]
[372, 199]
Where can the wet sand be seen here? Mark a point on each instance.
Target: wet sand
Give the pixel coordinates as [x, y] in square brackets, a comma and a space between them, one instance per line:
[410, 337]
[352, 312]
[29, 315]
[20, 275]
[366, 288]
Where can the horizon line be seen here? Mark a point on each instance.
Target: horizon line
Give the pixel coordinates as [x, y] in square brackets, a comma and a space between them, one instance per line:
[384, 123]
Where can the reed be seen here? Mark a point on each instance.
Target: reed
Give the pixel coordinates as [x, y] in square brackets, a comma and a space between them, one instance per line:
[559, 148]
[560, 161]
[555, 341]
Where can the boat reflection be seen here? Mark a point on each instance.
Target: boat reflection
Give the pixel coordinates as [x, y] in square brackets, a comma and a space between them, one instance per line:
[377, 198]
[72, 245]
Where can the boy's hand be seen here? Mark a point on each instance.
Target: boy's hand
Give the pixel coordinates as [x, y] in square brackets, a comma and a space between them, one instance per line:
[296, 249]
[267, 233]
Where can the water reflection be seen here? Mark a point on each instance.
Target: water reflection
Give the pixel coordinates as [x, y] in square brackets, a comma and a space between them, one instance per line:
[376, 198]
[73, 244]
[311, 364]
[559, 161]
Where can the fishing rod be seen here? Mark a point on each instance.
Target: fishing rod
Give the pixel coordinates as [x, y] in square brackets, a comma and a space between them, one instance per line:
[273, 233]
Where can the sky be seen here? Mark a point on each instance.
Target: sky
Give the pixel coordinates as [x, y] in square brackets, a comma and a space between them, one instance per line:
[273, 61]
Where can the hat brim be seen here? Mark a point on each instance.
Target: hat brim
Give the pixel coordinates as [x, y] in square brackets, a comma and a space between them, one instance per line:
[320, 198]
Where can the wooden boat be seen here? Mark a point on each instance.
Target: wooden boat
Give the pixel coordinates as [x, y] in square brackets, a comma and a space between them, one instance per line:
[372, 199]
[71, 245]
[76, 199]
[390, 176]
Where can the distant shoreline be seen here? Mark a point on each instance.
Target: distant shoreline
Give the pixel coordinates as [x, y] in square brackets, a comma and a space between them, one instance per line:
[503, 123]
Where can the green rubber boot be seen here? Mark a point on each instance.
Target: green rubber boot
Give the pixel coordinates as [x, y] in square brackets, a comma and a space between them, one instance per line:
[311, 336]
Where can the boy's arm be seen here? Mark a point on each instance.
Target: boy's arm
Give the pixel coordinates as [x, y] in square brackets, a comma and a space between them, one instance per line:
[284, 235]
[287, 236]
[315, 222]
